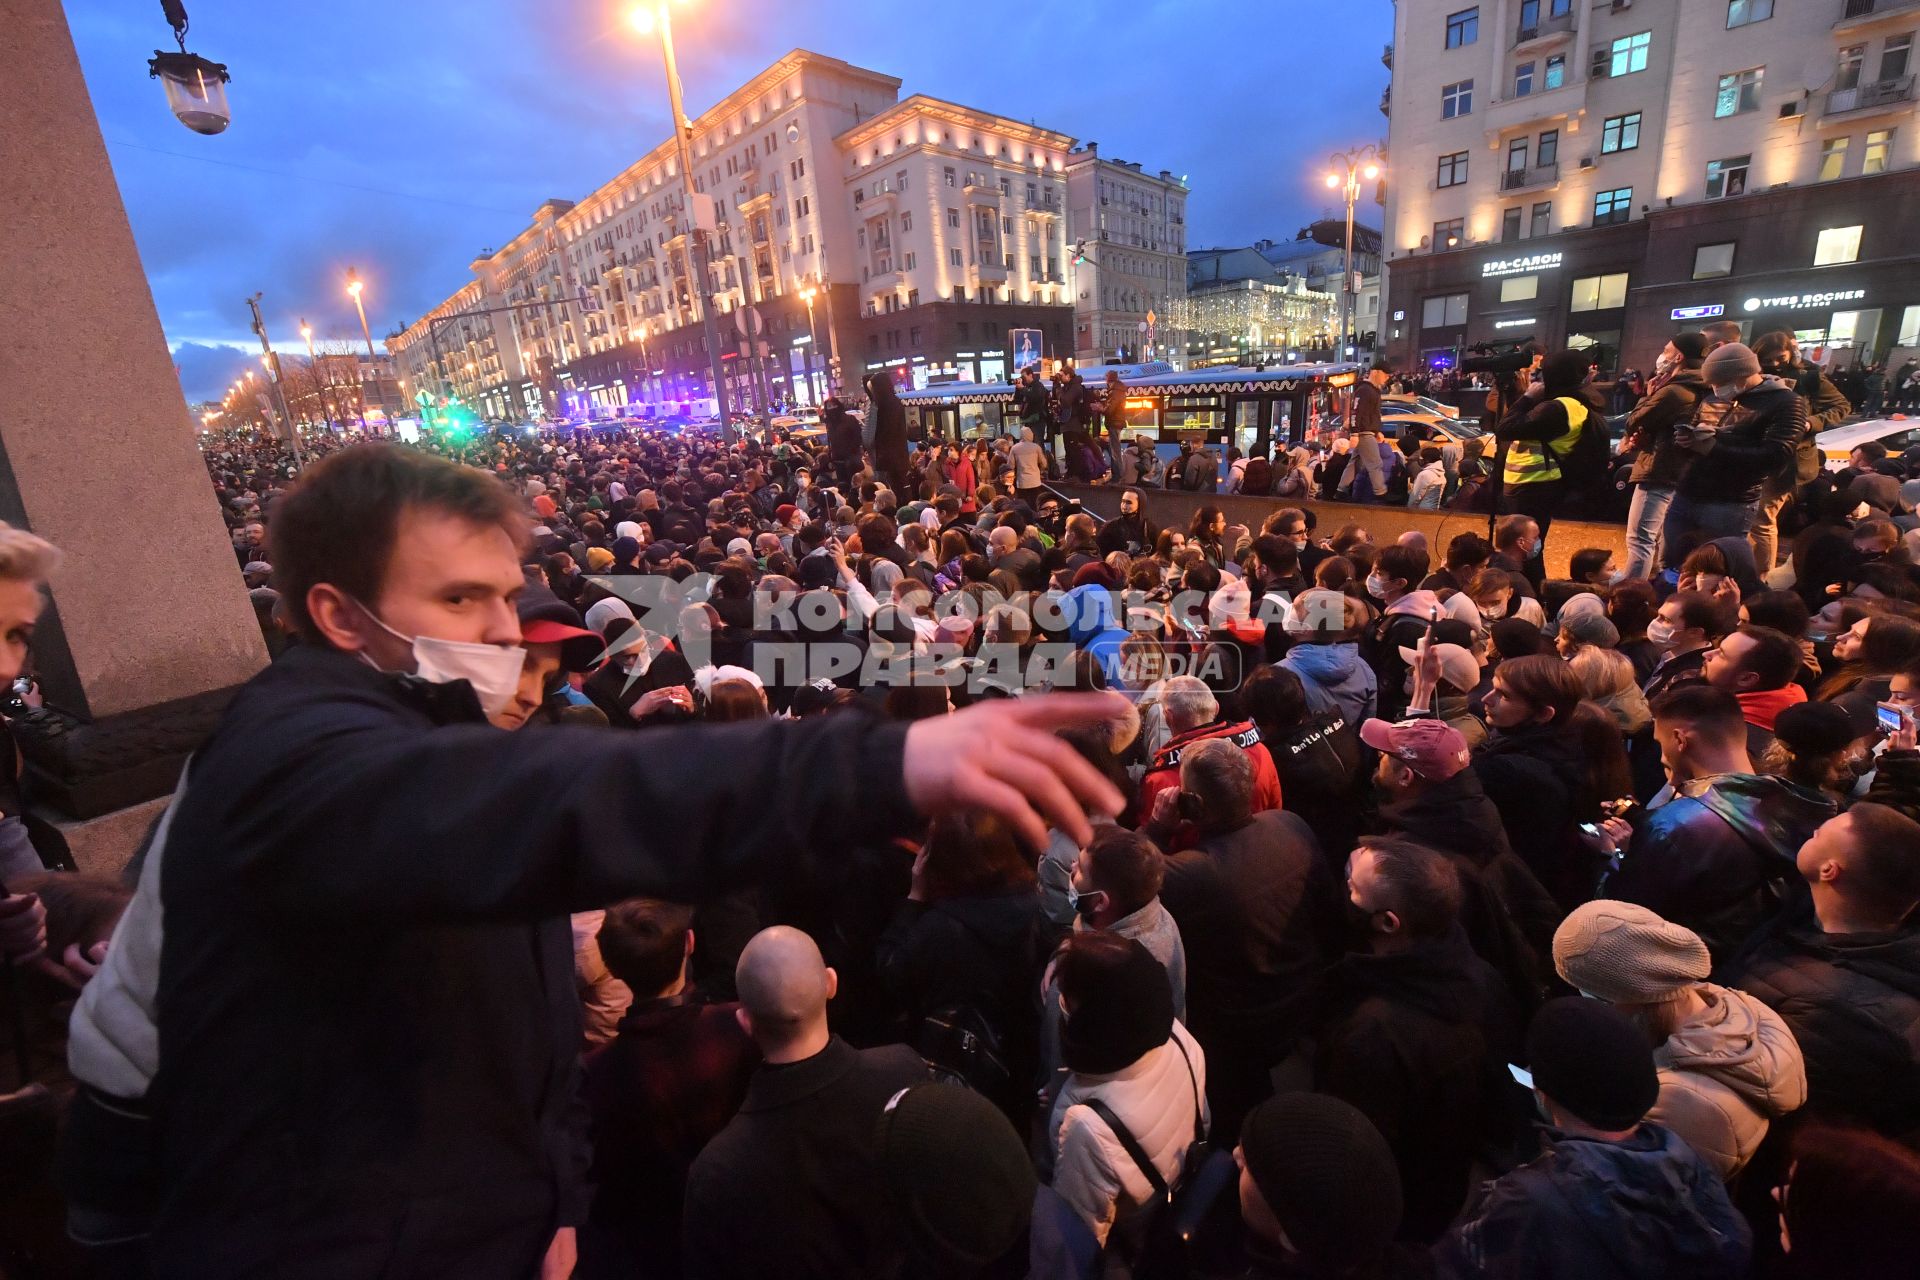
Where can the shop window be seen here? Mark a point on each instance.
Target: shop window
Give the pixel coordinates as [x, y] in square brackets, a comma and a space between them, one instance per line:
[1599, 293]
[1837, 245]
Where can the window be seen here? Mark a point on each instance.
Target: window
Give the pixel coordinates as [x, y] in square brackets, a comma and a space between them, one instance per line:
[913, 334]
[1599, 293]
[1739, 91]
[1448, 235]
[1519, 288]
[1894, 57]
[1453, 170]
[798, 169]
[1711, 261]
[1443, 311]
[1548, 152]
[1836, 245]
[1628, 54]
[1879, 151]
[1542, 219]
[948, 175]
[1620, 133]
[1510, 224]
[1909, 328]
[1006, 186]
[1517, 155]
[953, 217]
[1833, 158]
[1456, 100]
[1556, 70]
[1523, 80]
[1612, 206]
[1741, 12]
[953, 257]
[1726, 178]
[1463, 28]
[908, 259]
[1847, 75]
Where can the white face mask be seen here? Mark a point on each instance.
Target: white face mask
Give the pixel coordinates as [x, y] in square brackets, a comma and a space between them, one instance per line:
[1660, 632]
[1726, 391]
[492, 670]
[1376, 586]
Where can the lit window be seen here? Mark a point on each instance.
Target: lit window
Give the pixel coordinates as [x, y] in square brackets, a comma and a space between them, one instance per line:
[1837, 244]
[1612, 206]
[1711, 261]
[1741, 12]
[1519, 288]
[1833, 158]
[1879, 151]
[1628, 54]
[1620, 133]
[1556, 70]
[1739, 91]
[1599, 293]
[1727, 178]
[1449, 234]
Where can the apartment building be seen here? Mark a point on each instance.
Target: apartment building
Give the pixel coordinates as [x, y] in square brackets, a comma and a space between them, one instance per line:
[1599, 173]
[1132, 276]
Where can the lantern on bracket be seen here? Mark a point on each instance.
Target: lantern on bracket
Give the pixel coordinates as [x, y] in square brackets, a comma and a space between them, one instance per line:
[196, 88]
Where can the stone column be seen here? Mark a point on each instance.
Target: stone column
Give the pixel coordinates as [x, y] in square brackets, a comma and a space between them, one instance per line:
[150, 628]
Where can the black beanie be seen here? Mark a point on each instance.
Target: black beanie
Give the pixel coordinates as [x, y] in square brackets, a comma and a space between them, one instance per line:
[1117, 1022]
[1691, 346]
[1594, 1063]
[1815, 728]
[957, 1174]
[1328, 1176]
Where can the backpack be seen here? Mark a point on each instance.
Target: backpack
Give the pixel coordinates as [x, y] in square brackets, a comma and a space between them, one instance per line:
[965, 1048]
[1167, 1247]
[1200, 473]
[1257, 480]
[1587, 463]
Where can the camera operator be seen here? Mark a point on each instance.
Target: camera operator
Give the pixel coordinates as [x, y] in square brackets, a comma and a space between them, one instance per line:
[1539, 432]
[1368, 466]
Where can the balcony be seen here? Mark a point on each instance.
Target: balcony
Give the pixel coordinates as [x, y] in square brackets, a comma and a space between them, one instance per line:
[1042, 206]
[1386, 57]
[1869, 99]
[981, 192]
[1543, 106]
[1386, 101]
[1544, 34]
[986, 273]
[1863, 15]
[1538, 177]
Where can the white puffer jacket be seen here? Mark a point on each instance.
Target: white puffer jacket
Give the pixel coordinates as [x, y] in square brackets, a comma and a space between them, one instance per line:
[1725, 1075]
[1154, 1097]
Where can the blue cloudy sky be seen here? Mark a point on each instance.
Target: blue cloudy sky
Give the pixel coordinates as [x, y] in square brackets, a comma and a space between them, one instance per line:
[402, 137]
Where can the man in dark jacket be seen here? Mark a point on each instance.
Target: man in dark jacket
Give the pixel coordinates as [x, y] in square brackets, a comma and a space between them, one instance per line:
[1615, 1196]
[843, 442]
[1416, 1025]
[1657, 465]
[1130, 531]
[322, 1109]
[791, 1186]
[1779, 356]
[1848, 984]
[889, 433]
[1259, 915]
[1719, 857]
[1746, 431]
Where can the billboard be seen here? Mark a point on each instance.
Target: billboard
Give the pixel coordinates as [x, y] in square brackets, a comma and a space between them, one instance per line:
[1025, 348]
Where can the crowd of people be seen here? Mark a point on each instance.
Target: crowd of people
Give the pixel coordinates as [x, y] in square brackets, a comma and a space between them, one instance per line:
[650, 855]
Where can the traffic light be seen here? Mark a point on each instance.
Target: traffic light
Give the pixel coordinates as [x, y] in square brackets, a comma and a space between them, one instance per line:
[1079, 253]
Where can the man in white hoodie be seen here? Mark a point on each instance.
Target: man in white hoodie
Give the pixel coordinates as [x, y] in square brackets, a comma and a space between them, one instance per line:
[1728, 1065]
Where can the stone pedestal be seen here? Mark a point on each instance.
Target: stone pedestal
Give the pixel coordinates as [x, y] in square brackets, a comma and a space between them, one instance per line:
[149, 628]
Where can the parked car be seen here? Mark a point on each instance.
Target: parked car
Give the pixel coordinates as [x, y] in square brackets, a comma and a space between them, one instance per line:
[1836, 443]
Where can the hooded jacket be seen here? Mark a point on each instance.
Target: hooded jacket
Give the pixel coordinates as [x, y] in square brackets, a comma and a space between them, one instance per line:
[1756, 440]
[1852, 1002]
[1719, 858]
[1335, 680]
[1400, 627]
[1725, 1075]
[1589, 1209]
[1091, 626]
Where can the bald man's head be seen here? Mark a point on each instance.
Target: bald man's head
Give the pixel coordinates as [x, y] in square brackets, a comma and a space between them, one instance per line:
[784, 987]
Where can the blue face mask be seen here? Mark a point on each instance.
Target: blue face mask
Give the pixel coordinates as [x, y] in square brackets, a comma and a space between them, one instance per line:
[1085, 904]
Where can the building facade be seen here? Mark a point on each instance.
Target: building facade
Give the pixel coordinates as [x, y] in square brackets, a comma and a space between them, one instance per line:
[1130, 277]
[1599, 175]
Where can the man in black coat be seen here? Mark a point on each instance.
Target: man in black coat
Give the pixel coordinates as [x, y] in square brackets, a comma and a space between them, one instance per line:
[791, 1186]
[1848, 984]
[1417, 1024]
[1259, 914]
[1742, 436]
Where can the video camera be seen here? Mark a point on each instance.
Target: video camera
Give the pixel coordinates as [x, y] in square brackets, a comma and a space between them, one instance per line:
[1499, 357]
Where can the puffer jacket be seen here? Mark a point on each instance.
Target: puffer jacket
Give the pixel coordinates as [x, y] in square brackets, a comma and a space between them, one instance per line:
[1155, 1098]
[1725, 1075]
[1335, 679]
[1852, 1002]
[1719, 858]
[1650, 428]
[1589, 1209]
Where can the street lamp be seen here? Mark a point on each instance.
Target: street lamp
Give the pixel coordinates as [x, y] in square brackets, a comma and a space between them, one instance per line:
[196, 88]
[354, 288]
[1348, 169]
[647, 18]
[809, 293]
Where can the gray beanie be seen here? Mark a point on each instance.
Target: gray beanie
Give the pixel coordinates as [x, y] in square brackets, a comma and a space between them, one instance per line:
[1730, 363]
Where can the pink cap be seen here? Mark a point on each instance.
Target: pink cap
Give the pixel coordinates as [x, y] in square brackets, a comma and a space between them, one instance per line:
[1432, 748]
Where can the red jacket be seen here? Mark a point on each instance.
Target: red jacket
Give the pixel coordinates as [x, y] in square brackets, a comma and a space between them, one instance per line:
[1164, 773]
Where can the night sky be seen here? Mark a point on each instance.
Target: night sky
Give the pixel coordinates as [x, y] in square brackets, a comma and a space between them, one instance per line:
[404, 137]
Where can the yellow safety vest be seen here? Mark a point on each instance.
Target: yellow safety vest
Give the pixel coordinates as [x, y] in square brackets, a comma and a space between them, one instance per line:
[1534, 462]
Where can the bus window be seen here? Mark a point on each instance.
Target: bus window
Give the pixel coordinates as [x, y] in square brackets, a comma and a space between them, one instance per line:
[1142, 415]
[1246, 425]
[1206, 414]
[978, 419]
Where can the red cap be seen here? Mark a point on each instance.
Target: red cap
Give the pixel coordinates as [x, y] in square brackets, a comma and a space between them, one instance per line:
[580, 648]
[1432, 748]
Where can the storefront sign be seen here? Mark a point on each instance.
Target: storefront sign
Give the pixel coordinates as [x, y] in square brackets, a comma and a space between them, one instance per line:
[1520, 266]
[1792, 301]
[1527, 323]
[1707, 312]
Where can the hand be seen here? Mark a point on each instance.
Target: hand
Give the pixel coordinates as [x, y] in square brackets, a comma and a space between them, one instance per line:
[1006, 758]
[655, 701]
[1426, 675]
[1615, 835]
[1907, 736]
[23, 928]
[74, 968]
[562, 1254]
[1166, 812]
[919, 893]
